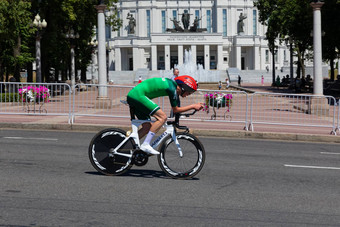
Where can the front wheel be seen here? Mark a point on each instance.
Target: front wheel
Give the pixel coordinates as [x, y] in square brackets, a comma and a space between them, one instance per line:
[100, 152]
[186, 166]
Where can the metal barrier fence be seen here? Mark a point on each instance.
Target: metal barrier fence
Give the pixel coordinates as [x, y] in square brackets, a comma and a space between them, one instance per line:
[293, 110]
[241, 108]
[35, 99]
[90, 104]
[220, 106]
[87, 102]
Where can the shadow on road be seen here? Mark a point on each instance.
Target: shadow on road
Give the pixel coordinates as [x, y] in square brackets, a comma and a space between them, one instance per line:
[145, 173]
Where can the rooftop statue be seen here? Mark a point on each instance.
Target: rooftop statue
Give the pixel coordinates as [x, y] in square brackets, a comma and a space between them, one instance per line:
[240, 24]
[132, 23]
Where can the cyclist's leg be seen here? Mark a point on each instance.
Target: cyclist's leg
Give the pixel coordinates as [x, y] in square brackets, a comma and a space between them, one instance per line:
[155, 126]
[160, 120]
[144, 130]
[145, 108]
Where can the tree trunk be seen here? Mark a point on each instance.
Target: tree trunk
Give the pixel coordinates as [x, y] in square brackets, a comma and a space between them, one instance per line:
[29, 67]
[332, 68]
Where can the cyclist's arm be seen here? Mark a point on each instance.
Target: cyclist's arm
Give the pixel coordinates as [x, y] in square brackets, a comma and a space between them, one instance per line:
[196, 106]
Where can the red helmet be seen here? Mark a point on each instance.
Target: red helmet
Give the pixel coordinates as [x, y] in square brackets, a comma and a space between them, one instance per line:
[186, 83]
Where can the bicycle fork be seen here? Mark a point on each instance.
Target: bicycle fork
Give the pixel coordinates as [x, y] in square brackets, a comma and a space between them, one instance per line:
[169, 130]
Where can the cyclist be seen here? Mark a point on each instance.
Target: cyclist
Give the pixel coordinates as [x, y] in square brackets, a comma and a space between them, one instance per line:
[140, 97]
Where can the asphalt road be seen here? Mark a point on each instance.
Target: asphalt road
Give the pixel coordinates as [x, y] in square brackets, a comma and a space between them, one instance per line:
[46, 179]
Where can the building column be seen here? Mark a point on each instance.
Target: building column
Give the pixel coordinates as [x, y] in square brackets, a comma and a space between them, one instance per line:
[167, 57]
[318, 84]
[118, 59]
[193, 53]
[102, 79]
[102, 100]
[206, 57]
[180, 54]
[263, 58]
[257, 58]
[135, 57]
[220, 57]
[238, 57]
[153, 57]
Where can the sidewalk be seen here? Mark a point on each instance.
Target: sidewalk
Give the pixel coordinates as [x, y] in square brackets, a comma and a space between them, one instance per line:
[209, 128]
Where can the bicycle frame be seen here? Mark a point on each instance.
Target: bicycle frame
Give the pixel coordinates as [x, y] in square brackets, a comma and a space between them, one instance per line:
[170, 130]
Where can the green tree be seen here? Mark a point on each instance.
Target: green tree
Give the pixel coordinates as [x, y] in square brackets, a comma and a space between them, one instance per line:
[330, 26]
[288, 18]
[15, 31]
[61, 16]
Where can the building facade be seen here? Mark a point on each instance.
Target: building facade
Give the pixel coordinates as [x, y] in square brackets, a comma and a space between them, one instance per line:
[220, 34]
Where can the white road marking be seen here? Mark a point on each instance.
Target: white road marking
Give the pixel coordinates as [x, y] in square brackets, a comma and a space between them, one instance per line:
[312, 167]
[329, 153]
[29, 138]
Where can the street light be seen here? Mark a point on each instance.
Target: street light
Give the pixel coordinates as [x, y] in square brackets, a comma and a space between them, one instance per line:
[290, 41]
[93, 44]
[39, 25]
[71, 36]
[108, 50]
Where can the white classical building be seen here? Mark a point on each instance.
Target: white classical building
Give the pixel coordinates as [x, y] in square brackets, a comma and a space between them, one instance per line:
[217, 41]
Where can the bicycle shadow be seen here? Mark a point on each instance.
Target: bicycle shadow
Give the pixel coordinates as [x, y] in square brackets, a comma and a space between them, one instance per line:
[142, 173]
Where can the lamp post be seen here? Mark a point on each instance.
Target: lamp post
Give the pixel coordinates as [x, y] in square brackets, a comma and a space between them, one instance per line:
[71, 36]
[291, 71]
[94, 44]
[39, 25]
[108, 50]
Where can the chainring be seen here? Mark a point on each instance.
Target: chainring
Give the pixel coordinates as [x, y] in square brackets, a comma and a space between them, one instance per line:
[140, 158]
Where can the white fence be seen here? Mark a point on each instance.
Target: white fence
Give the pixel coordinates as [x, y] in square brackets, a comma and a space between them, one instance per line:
[242, 109]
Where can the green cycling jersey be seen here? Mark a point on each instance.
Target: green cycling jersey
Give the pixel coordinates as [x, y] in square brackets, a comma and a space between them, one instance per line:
[140, 96]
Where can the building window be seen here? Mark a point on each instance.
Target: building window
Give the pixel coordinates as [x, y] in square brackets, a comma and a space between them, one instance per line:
[148, 22]
[163, 21]
[209, 21]
[107, 32]
[254, 22]
[267, 56]
[276, 55]
[118, 31]
[197, 14]
[224, 22]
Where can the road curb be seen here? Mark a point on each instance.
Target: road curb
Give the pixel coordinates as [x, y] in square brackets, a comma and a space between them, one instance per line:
[198, 132]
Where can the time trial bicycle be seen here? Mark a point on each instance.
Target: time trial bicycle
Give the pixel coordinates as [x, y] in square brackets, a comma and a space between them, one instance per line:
[113, 151]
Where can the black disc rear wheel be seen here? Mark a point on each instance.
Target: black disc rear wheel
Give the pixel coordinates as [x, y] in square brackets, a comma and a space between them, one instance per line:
[100, 152]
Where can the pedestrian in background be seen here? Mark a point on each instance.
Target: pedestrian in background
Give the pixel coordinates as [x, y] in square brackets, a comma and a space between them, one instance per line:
[239, 80]
[227, 83]
[176, 73]
[140, 79]
[262, 80]
[219, 85]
